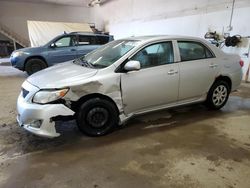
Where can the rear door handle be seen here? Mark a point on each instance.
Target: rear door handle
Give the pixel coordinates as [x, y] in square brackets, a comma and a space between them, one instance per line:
[172, 72]
[213, 65]
[72, 50]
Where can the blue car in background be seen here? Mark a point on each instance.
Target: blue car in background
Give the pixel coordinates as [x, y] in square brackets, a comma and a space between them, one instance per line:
[63, 48]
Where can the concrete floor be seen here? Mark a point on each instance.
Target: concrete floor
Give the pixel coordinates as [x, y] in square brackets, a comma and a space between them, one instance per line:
[182, 147]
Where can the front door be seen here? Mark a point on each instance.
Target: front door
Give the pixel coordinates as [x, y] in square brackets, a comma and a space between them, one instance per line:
[155, 84]
[64, 49]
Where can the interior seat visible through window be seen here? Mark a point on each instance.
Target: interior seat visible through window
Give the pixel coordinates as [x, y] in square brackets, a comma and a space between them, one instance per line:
[155, 55]
[143, 58]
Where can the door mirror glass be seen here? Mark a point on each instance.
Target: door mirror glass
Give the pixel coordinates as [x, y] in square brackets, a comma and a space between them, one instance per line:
[132, 66]
[53, 45]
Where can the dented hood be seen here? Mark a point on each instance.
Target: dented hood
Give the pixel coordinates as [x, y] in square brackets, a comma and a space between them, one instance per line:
[61, 75]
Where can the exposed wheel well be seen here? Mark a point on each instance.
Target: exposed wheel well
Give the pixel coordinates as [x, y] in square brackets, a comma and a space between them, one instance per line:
[76, 104]
[226, 79]
[35, 57]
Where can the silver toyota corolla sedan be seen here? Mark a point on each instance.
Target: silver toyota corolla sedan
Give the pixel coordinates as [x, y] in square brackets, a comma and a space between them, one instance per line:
[125, 78]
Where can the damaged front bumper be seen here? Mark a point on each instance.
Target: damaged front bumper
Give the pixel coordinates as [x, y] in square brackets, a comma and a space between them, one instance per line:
[38, 119]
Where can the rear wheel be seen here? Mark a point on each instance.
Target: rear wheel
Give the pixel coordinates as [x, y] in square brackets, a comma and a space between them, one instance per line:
[218, 95]
[34, 65]
[97, 117]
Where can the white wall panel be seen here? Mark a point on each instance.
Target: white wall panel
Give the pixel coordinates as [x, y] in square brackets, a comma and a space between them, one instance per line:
[194, 18]
[15, 14]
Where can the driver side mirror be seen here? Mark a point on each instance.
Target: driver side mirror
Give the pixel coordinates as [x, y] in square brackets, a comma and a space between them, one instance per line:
[53, 45]
[132, 66]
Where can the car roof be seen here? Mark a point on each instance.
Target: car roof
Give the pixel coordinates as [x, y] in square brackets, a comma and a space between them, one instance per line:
[162, 37]
[82, 33]
[87, 33]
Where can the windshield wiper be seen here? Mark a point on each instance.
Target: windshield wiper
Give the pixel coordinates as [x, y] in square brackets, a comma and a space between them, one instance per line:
[83, 63]
[98, 66]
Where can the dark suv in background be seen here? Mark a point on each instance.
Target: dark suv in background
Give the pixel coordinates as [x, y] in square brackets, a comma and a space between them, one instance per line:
[63, 48]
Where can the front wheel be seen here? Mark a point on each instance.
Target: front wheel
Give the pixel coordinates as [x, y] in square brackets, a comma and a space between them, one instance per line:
[218, 95]
[34, 65]
[97, 117]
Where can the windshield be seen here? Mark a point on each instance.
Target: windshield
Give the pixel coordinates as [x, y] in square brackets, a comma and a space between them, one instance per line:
[107, 54]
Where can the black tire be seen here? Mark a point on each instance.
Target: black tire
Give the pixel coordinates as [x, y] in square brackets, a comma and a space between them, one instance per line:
[97, 117]
[218, 95]
[34, 65]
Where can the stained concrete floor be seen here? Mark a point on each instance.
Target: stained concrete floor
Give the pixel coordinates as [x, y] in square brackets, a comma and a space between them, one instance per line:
[182, 147]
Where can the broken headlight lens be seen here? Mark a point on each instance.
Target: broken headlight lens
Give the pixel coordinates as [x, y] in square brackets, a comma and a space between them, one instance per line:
[47, 96]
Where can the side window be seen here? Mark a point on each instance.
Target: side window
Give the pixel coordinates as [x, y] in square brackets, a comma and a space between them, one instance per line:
[193, 50]
[103, 39]
[155, 55]
[86, 40]
[63, 42]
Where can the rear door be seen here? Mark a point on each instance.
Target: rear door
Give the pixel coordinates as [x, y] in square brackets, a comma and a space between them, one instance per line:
[64, 49]
[86, 44]
[198, 69]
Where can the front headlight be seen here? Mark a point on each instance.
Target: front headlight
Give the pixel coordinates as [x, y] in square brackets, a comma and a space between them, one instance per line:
[17, 54]
[46, 96]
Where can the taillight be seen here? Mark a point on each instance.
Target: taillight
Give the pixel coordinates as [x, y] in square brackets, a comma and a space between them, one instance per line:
[241, 63]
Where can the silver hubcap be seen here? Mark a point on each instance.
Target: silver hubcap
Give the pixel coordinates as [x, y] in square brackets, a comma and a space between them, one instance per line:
[219, 95]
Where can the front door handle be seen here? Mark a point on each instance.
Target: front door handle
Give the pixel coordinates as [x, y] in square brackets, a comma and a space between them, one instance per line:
[172, 72]
[212, 65]
[72, 50]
